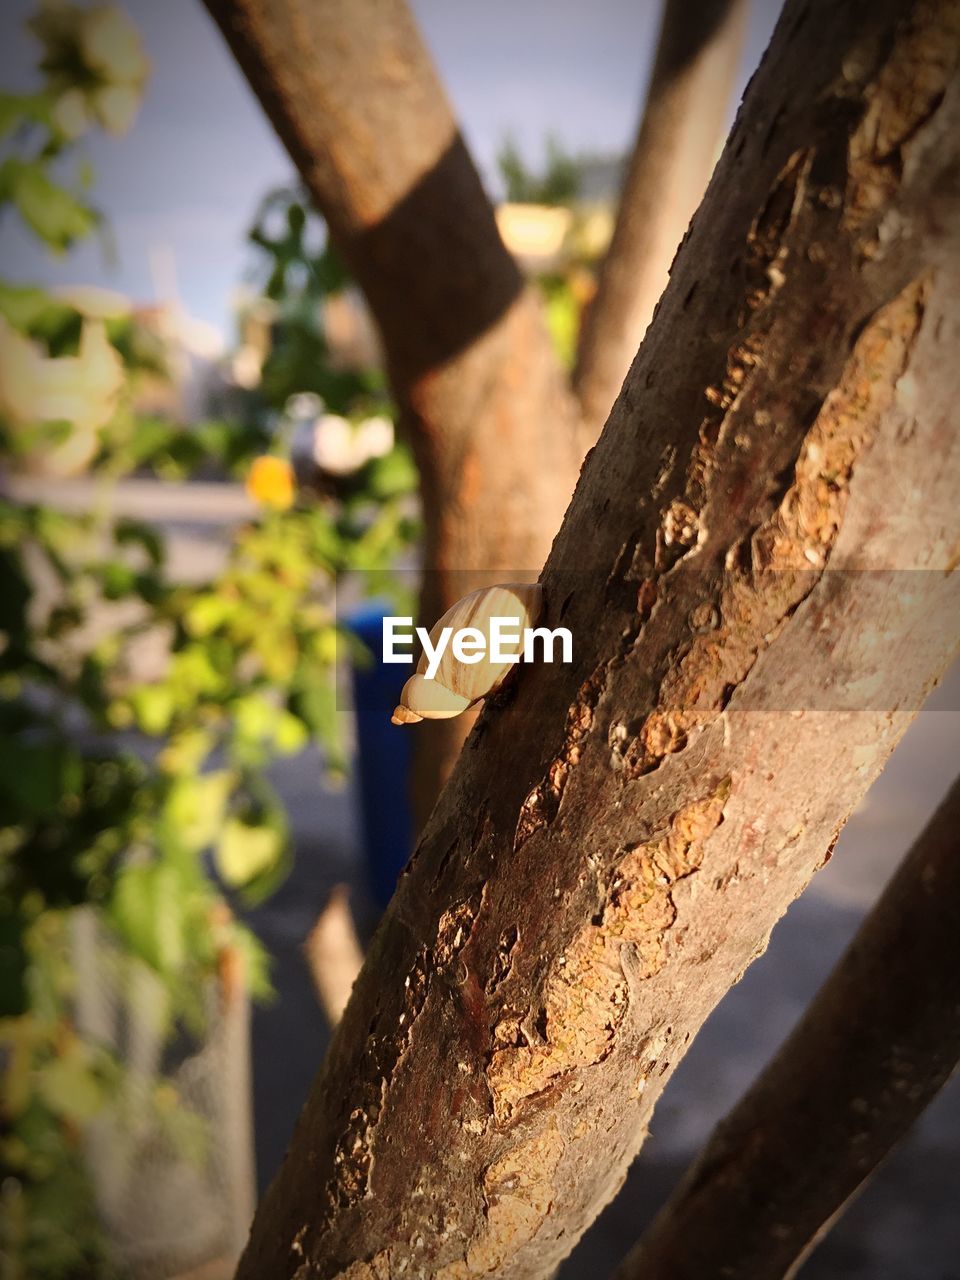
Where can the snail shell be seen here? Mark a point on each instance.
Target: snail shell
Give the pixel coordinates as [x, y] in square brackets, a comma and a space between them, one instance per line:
[457, 685]
[424, 699]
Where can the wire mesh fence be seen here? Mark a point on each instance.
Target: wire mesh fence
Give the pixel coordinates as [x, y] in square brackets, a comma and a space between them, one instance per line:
[170, 1157]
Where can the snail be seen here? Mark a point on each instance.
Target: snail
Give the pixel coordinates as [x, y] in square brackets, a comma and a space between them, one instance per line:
[457, 683]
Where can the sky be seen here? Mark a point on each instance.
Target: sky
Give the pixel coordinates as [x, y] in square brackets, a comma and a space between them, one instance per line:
[181, 189]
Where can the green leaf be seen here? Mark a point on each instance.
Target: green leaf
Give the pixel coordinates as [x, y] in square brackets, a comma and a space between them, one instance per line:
[68, 1085]
[29, 308]
[55, 215]
[35, 776]
[290, 733]
[148, 909]
[314, 701]
[188, 1131]
[258, 722]
[57, 1233]
[256, 961]
[244, 853]
[117, 579]
[130, 532]
[15, 593]
[20, 108]
[206, 613]
[153, 706]
[151, 436]
[185, 752]
[391, 476]
[195, 807]
[13, 966]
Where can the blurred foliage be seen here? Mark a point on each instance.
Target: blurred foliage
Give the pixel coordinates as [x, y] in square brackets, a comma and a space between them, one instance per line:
[562, 308]
[300, 270]
[557, 184]
[147, 800]
[565, 287]
[333, 419]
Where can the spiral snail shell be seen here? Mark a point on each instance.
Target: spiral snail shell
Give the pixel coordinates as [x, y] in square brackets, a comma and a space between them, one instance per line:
[457, 685]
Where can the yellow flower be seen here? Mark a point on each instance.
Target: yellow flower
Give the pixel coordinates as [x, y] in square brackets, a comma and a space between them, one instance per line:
[340, 447]
[270, 482]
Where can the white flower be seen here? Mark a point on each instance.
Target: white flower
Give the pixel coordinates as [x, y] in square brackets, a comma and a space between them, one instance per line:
[70, 114]
[377, 435]
[334, 450]
[110, 45]
[304, 406]
[340, 448]
[116, 106]
[112, 64]
[94, 301]
[247, 367]
[81, 390]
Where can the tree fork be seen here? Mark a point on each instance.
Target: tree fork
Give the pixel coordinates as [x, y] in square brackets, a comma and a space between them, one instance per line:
[756, 571]
[351, 90]
[353, 95]
[877, 1043]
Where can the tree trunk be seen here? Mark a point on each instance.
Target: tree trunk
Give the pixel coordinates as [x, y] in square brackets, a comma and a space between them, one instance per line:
[878, 1042]
[755, 572]
[350, 89]
[682, 127]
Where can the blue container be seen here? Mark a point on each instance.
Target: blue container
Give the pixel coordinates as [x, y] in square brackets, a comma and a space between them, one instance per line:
[383, 758]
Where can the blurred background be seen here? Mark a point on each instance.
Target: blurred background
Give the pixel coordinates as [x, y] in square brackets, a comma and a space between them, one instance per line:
[205, 510]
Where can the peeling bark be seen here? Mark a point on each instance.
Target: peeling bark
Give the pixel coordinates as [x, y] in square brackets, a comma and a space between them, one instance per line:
[648, 812]
[587, 996]
[680, 132]
[879, 1040]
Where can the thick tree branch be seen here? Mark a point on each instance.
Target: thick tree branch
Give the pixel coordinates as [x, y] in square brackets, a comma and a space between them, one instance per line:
[353, 95]
[877, 1043]
[755, 569]
[680, 132]
[351, 90]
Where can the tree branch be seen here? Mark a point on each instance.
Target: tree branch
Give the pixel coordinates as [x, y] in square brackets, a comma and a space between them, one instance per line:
[874, 1047]
[350, 89]
[680, 132]
[755, 572]
[353, 95]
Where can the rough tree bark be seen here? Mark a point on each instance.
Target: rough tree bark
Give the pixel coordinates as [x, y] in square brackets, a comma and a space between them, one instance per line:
[756, 570]
[497, 432]
[877, 1043]
[682, 127]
